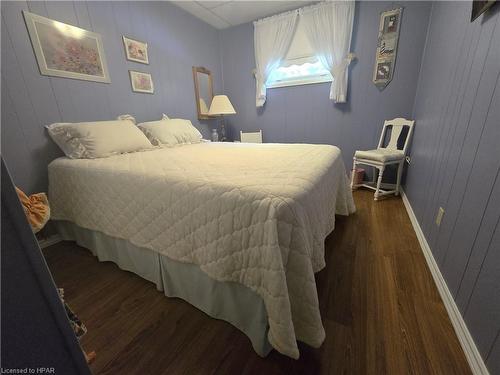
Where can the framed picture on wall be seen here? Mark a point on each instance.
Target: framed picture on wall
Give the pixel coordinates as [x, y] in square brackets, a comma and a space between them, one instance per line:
[141, 82]
[387, 47]
[383, 70]
[479, 7]
[136, 50]
[391, 22]
[63, 50]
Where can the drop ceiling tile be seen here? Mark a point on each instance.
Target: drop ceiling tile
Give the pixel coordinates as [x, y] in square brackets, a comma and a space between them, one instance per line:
[211, 4]
[223, 14]
[202, 13]
[238, 12]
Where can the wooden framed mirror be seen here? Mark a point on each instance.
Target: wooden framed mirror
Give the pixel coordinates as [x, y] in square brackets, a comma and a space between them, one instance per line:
[203, 91]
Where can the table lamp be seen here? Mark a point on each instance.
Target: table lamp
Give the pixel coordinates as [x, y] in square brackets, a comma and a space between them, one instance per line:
[221, 106]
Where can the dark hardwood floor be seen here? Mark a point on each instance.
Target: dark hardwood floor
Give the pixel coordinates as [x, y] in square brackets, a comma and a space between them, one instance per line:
[381, 311]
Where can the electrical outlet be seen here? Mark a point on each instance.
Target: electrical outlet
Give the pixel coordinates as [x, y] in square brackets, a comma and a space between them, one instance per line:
[408, 160]
[439, 216]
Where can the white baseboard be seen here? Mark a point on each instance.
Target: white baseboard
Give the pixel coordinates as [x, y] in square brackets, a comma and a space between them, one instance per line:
[469, 347]
[46, 242]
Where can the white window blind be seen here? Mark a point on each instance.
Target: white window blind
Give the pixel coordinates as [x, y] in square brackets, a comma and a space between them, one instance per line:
[300, 66]
[300, 51]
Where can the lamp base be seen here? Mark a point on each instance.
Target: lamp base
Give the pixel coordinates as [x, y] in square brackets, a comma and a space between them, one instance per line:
[223, 137]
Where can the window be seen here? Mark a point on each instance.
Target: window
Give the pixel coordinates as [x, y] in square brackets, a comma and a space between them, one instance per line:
[301, 66]
[302, 74]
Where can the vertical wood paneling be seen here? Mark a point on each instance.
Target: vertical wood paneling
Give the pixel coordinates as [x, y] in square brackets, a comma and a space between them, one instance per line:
[460, 170]
[101, 19]
[489, 221]
[177, 41]
[118, 91]
[82, 14]
[13, 143]
[483, 312]
[476, 198]
[38, 87]
[448, 134]
[493, 360]
[429, 130]
[32, 97]
[480, 86]
[123, 23]
[21, 101]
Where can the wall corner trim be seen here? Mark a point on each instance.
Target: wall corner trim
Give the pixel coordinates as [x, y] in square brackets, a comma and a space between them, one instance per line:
[472, 354]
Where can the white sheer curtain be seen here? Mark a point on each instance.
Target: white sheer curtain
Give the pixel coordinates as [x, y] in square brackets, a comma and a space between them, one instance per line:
[272, 38]
[329, 28]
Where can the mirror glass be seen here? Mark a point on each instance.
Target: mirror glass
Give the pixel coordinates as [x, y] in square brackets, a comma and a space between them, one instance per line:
[203, 91]
[205, 95]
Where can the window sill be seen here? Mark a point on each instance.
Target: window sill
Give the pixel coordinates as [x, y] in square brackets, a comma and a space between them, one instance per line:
[299, 82]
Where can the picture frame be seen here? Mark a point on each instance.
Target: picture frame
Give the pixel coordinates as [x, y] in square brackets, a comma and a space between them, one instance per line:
[391, 23]
[66, 51]
[135, 50]
[203, 91]
[383, 70]
[141, 82]
[388, 37]
[479, 7]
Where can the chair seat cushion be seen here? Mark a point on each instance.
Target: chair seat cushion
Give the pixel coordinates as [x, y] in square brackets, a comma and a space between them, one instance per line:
[380, 155]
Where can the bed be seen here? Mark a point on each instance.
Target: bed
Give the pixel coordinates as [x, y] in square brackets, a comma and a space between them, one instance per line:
[235, 229]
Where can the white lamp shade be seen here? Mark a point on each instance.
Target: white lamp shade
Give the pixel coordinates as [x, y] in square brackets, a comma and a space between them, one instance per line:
[221, 106]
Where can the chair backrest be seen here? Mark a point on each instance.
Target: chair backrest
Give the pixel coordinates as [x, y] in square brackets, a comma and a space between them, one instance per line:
[397, 125]
[251, 137]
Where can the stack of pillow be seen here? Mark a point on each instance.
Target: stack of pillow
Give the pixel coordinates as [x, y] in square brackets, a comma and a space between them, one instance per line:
[170, 132]
[100, 139]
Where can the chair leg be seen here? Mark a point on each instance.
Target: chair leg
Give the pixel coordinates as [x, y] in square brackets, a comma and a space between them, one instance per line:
[379, 181]
[352, 172]
[400, 173]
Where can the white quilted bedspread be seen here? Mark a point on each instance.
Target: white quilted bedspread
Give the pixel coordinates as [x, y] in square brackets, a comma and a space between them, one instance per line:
[252, 214]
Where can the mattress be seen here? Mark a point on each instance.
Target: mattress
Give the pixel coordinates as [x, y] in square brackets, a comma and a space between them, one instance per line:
[254, 214]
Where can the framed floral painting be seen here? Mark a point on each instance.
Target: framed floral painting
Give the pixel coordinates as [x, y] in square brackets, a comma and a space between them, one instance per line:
[135, 50]
[141, 82]
[67, 51]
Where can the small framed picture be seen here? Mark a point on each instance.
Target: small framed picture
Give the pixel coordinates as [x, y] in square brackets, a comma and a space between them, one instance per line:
[391, 23]
[141, 82]
[136, 50]
[66, 51]
[383, 71]
[387, 47]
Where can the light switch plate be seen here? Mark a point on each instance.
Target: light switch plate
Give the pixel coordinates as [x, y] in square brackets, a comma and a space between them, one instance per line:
[439, 216]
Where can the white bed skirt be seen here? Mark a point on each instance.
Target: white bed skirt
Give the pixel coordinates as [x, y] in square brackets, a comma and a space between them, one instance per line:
[228, 301]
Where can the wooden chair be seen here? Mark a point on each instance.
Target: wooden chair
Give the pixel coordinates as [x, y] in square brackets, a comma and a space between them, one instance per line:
[385, 155]
[251, 137]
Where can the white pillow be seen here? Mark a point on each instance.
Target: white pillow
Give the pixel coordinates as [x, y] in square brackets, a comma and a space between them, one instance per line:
[170, 132]
[127, 117]
[90, 140]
